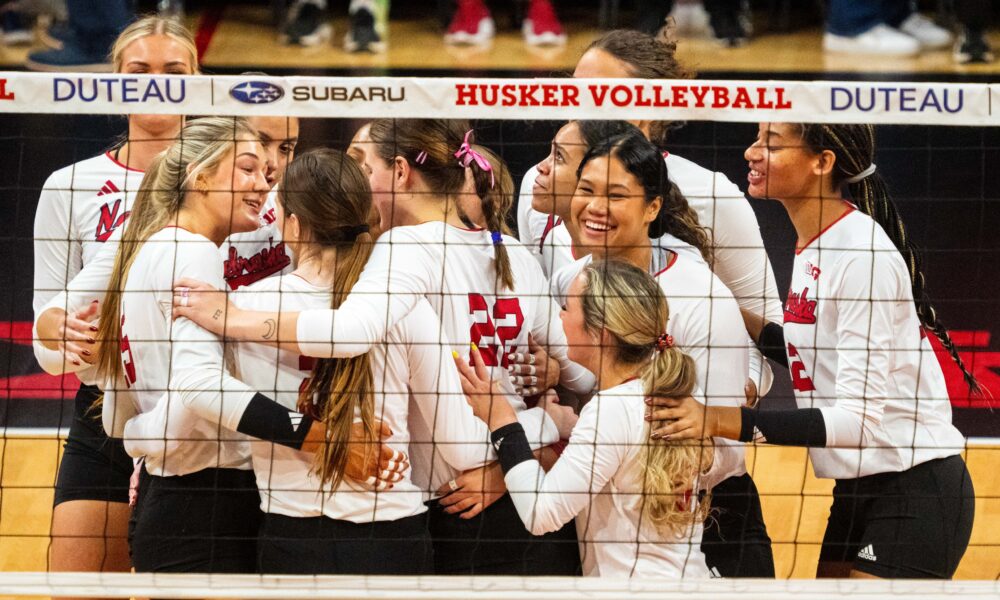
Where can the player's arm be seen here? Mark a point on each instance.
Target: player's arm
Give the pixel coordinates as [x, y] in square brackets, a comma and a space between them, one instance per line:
[768, 336]
[57, 256]
[396, 276]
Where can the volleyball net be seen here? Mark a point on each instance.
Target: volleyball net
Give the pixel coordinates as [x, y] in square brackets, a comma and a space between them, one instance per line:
[936, 147]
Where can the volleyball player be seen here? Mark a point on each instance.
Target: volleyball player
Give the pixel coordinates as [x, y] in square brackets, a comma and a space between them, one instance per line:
[624, 202]
[873, 405]
[635, 500]
[485, 287]
[738, 255]
[79, 208]
[314, 521]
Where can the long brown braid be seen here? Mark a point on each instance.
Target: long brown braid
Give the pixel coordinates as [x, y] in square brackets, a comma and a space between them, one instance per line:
[854, 149]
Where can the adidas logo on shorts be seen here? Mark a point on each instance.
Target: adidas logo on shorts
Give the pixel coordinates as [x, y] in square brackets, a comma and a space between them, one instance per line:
[867, 553]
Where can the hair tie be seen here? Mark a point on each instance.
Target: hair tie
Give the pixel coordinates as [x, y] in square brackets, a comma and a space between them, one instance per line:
[466, 156]
[862, 175]
[497, 237]
[347, 233]
[663, 342]
[421, 158]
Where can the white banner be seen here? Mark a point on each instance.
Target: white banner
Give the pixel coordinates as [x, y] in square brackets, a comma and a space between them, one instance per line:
[492, 98]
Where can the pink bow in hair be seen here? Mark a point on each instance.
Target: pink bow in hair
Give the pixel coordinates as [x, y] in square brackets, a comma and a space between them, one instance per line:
[466, 156]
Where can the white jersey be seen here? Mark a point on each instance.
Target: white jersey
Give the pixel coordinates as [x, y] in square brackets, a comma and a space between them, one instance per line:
[739, 258]
[411, 359]
[856, 350]
[80, 206]
[79, 209]
[245, 258]
[454, 269]
[163, 358]
[598, 479]
[706, 324]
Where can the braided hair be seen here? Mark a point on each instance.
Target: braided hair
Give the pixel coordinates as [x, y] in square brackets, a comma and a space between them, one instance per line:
[854, 149]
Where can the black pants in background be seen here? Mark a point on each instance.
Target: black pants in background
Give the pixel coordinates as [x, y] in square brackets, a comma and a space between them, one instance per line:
[323, 546]
[735, 541]
[205, 522]
[495, 542]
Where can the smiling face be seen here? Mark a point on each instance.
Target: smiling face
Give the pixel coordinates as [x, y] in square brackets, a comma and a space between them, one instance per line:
[609, 208]
[235, 192]
[279, 136]
[781, 167]
[156, 54]
[556, 180]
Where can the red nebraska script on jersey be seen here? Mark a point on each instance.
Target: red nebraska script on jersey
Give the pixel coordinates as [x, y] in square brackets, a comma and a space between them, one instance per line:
[240, 271]
[799, 308]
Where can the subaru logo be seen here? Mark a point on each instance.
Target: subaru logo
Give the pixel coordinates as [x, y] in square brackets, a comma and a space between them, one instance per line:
[256, 92]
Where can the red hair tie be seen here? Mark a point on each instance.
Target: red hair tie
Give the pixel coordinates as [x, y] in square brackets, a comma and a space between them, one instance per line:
[663, 342]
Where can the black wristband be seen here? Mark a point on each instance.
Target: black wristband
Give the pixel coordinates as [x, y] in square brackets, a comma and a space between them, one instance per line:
[265, 419]
[792, 427]
[512, 446]
[772, 343]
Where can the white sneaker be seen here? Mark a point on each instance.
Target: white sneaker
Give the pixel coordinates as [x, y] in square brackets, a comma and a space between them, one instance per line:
[880, 39]
[925, 31]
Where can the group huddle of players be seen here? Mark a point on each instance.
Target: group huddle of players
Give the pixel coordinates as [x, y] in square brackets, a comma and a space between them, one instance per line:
[392, 383]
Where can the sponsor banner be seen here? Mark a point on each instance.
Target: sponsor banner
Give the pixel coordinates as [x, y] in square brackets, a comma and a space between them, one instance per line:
[556, 99]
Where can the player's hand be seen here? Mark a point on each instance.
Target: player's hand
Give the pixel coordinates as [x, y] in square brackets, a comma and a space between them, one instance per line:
[473, 491]
[534, 371]
[678, 418]
[78, 335]
[482, 393]
[563, 416]
[376, 468]
[203, 304]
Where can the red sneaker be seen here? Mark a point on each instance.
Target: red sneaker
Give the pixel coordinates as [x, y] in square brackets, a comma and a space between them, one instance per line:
[541, 26]
[471, 25]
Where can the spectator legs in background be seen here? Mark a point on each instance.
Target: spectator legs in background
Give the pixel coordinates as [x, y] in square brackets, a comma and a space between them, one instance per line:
[541, 26]
[651, 14]
[471, 24]
[92, 26]
[730, 22]
[15, 25]
[306, 24]
[974, 16]
[369, 24]
[886, 27]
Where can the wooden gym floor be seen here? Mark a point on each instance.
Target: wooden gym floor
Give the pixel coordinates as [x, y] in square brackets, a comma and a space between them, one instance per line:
[244, 37]
[795, 504]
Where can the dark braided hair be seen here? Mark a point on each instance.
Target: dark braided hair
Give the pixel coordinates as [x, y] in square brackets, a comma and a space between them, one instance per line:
[641, 158]
[854, 149]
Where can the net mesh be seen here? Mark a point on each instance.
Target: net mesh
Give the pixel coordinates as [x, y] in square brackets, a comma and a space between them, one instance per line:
[935, 148]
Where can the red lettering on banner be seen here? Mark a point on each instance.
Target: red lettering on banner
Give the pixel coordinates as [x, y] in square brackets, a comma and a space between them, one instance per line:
[782, 103]
[679, 99]
[699, 99]
[640, 97]
[548, 94]
[742, 99]
[621, 99]
[762, 101]
[721, 97]
[4, 94]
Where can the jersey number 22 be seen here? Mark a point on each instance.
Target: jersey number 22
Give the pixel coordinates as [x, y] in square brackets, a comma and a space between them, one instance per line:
[493, 328]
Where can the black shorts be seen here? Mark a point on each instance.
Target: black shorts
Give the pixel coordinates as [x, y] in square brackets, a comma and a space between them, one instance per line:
[205, 522]
[93, 466]
[495, 542]
[322, 546]
[913, 524]
[735, 542]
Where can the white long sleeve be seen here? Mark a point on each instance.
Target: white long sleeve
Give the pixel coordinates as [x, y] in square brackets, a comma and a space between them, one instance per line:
[58, 257]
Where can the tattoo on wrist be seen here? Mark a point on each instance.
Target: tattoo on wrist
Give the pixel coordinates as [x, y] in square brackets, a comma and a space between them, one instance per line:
[271, 329]
[217, 314]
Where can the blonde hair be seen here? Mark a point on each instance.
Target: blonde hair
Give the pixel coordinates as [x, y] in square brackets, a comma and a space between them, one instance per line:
[202, 146]
[154, 25]
[626, 302]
